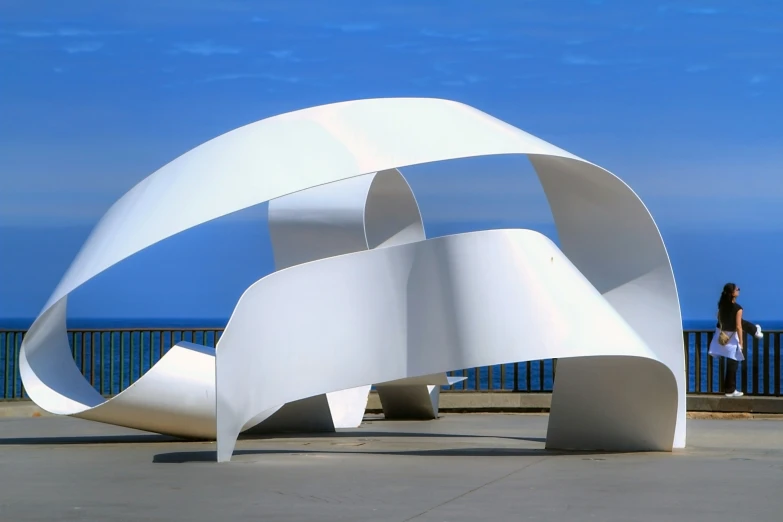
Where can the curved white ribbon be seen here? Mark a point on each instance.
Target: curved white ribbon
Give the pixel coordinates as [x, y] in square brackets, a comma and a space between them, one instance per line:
[604, 229]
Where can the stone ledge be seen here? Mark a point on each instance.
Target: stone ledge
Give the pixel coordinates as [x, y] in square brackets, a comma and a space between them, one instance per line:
[507, 402]
[721, 404]
[474, 402]
[21, 408]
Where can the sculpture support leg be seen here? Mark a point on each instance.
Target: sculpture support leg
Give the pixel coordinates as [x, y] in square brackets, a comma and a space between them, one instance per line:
[408, 402]
[612, 404]
[608, 233]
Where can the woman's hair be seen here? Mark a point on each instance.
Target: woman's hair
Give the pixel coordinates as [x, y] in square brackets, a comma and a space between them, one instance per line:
[727, 295]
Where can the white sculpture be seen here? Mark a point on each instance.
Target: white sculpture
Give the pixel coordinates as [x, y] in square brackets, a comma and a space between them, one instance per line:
[606, 306]
[360, 213]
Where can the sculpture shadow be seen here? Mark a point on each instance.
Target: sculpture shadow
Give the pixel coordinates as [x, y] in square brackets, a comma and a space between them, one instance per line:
[153, 438]
[184, 457]
[378, 434]
[87, 439]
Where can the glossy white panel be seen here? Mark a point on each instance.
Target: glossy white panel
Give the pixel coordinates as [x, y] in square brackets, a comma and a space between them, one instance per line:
[459, 301]
[351, 215]
[604, 227]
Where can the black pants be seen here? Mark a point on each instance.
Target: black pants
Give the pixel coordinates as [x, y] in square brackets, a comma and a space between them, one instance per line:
[748, 327]
[730, 380]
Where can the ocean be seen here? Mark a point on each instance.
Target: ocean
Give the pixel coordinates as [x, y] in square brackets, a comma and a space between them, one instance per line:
[216, 322]
[120, 359]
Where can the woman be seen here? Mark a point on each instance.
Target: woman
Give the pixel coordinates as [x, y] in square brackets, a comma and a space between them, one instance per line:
[727, 341]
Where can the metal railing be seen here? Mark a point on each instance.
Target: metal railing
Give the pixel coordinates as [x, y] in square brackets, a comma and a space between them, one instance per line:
[758, 374]
[112, 359]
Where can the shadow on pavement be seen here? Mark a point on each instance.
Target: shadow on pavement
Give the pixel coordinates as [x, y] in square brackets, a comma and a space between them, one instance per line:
[156, 438]
[89, 439]
[182, 457]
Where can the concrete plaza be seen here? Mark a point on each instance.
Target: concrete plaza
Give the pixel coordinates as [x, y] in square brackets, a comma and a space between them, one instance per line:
[460, 467]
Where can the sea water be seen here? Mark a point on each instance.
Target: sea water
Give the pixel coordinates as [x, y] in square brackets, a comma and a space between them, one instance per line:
[124, 357]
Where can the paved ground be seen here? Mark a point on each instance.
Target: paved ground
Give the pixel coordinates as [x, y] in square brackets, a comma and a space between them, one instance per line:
[460, 467]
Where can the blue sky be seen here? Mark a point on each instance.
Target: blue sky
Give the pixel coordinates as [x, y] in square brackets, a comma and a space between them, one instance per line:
[681, 99]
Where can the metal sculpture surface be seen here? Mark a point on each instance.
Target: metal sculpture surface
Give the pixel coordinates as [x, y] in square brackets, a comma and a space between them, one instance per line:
[605, 305]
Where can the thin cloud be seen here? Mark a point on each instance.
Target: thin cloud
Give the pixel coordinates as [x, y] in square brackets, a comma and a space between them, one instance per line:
[402, 45]
[570, 82]
[462, 37]
[697, 68]
[286, 55]
[355, 27]
[702, 11]
[34, 34]
[279, 78]
[259, 20]
[698, 11]
[516, 56]
[757, 79]
[467, 80]
[245, 76]
[444, 67]
[228, 77]
[422, 81]
[84, 32]
[414, 47]
[65, 32]
[83, 47]
[205, 48]
[572, 59]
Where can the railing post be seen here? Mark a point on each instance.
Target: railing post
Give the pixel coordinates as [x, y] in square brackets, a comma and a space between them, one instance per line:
[103, 363]
[769, 388]
[540, 375]
[686, 337]
[697, 361]
[744, 365]
[755, 344]
[710, 362]
[92, 357]
[122, 363]
[16, 367]
[152, 350]
[111, 363]
[8, 337]
[777, 364]
[84, 353]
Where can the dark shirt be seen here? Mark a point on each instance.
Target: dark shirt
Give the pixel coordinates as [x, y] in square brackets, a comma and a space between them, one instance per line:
[727, 316]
